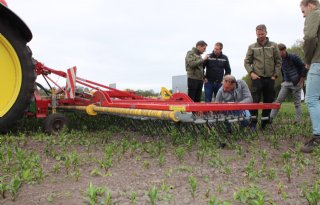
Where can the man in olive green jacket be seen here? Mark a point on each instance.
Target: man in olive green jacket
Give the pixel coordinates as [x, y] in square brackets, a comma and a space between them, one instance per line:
[311, 48]
[262, 62]
[194, 67]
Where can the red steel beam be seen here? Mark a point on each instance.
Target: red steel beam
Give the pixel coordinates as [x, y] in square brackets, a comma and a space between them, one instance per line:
[194, 107]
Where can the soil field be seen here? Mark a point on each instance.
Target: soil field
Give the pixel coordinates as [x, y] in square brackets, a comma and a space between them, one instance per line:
[110, 165]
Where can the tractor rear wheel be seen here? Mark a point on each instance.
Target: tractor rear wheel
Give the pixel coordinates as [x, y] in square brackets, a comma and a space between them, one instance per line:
[17, 75]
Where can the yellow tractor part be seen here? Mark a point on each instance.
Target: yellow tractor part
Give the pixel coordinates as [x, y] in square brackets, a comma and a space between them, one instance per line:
[165, 93]
[10, 76]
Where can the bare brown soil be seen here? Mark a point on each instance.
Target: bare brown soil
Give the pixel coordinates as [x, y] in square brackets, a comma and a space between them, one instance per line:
[136, 172]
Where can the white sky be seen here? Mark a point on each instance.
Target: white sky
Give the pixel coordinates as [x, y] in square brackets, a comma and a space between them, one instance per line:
[141, 44]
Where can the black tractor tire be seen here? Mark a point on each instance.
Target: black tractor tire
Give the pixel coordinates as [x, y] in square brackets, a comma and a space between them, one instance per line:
[19, 44]
[55, 123]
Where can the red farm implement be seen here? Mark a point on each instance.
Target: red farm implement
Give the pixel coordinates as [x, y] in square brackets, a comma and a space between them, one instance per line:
[176, 110]
[153, 116]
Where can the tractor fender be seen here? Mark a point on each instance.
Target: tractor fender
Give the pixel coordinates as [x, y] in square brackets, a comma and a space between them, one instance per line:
[7, 15]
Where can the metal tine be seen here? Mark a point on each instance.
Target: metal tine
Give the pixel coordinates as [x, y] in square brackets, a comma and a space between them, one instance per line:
[251, 131]
[273, 130]
[270, 124]
[205, 132]
[241, 125]
[160, 130]
[144, 129]
[168, 125]
[214, 128]
[259, 123]
[152, 127]
[141, 126]
[228, 123]
[149, 122]
[244, 123]
[233, 122]
[213, 131]
[223, 131]
[188, 128]
[254, 131]
[209, 129]
[114, 120]
[220, 126]
[197, 128]
[179, 126]
[199, 118]
[133, 124]
[223, 125]
[235, 128]
[125, 121]
[194, 129]
[264, 119]
[185, 127]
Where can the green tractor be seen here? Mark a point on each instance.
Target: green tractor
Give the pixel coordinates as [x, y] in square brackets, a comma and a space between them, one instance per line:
[17, 70]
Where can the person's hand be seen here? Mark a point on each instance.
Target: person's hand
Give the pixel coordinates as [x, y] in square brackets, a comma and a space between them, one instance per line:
[205, 80]
[254, 76]
[273, 78]
[307, 66]
[206, 57]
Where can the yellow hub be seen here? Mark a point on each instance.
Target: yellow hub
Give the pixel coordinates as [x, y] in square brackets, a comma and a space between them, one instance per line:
[10, 76]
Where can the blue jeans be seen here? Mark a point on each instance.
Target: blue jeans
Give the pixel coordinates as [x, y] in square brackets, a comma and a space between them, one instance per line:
[313, 96]
[209, 89]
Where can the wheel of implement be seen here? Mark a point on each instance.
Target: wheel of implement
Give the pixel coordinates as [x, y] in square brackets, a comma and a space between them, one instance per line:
[17, 75]
[55, 123]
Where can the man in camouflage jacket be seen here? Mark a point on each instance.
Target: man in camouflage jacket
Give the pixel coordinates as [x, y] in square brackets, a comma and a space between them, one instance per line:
[194, 67]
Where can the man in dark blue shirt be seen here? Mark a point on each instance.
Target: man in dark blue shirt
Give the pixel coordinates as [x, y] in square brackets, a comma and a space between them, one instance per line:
[217, 65]
[293, 75]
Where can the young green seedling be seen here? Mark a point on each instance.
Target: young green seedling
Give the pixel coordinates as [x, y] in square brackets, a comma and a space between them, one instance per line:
[180, 153]
[14, 187]
[108, 198]
[193, 185]
[312, 195]
[161, 160]
[153, 195]
[133, 198]
[287, 169]
[3, 187]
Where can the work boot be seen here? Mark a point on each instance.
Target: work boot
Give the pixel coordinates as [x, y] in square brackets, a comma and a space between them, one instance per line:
[263, 125]
[311, 144]
[271, 121]
[253, 126]
[264, 122]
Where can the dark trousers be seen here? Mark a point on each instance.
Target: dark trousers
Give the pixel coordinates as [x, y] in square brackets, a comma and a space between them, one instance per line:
[265, 87]
[209, 89]
[195, 89]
